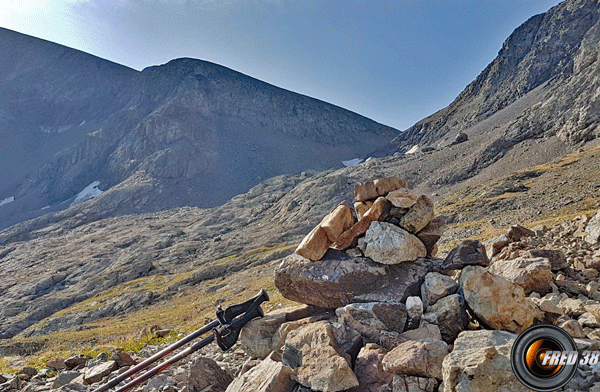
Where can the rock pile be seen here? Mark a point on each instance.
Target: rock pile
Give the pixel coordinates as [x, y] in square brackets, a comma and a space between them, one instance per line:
[427, 324]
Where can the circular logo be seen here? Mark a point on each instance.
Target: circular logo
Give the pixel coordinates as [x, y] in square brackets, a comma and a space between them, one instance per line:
[544, 358]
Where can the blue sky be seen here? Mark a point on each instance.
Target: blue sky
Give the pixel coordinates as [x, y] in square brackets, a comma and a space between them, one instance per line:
[395, 62]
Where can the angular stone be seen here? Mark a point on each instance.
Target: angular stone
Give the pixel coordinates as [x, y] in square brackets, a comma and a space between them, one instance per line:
[402, 198]
[469, 252]
[414, 310]
[380, 187]
[284, 329]
[425, 331]
[495, 245]
[389, 244]
[516, 232]
[56, 363]
[573, 328]
[204, 373]
[437, 286]
[417, 358]
[556, 257]
[531, 274]
[365, 191]
[480, 362]
[593, 230]
[418, 216]
[450, 315]
[29, 371]
[370, 318]
[414, 384]
[362, 207]
[338, 221]
[73, 362]
[98, 372]
[317, 360]
[269, 376]
[497, 302]
[431, 233]
[315, 244]
[349, 339]
[369, 370]
[337, 279]
[379, 208]
[123, 359]
[63, 378]
[256, 337]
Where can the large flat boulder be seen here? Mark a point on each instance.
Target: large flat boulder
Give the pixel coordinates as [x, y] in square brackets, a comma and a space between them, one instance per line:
[338, 279]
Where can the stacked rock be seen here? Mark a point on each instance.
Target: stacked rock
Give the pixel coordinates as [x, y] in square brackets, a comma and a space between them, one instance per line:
[389, 224]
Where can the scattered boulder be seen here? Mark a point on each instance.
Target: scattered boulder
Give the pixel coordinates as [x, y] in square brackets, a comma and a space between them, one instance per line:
[480, 362]
[317, 360]
[556, 257]
[98, 372]
[450, 315]
[206, 375]
[516, 232]
[414, 384]
[370, 318]
[390, 244]
[63, 378]
[417, 358]
[499, 303]
[437, 286]
[495, 245]
[369, 370]
[461, 137]
[418, 216]
[533, 275]
[593, 230]
[431, 233]
[469, 252]
[271, 375]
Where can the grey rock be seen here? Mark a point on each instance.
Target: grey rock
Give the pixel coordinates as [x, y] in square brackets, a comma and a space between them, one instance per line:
[556, 257]
[475, 352]
[337, 279]
[370, 318]
[450, 315]
[437, 286]
[206, 375]
[593, 230]
[63, 378]
[389, 244]
[469, 252]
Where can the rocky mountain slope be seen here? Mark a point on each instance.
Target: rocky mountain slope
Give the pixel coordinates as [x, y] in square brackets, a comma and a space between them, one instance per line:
[194, 132]
[543, 83]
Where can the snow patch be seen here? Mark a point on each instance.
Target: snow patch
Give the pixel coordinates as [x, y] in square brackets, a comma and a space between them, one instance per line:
[413, 149]
[352, 162]
[89, 192]
[82, 123]
[45, 208]
[7, 200]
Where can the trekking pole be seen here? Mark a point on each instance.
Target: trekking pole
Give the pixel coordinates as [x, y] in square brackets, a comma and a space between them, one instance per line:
[226, 330]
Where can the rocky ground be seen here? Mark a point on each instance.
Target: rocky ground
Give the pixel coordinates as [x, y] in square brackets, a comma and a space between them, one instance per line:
[432, 327]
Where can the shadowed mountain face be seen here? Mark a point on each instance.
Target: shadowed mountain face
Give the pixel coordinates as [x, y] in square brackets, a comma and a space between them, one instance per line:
[194, 133]
[556, 54]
